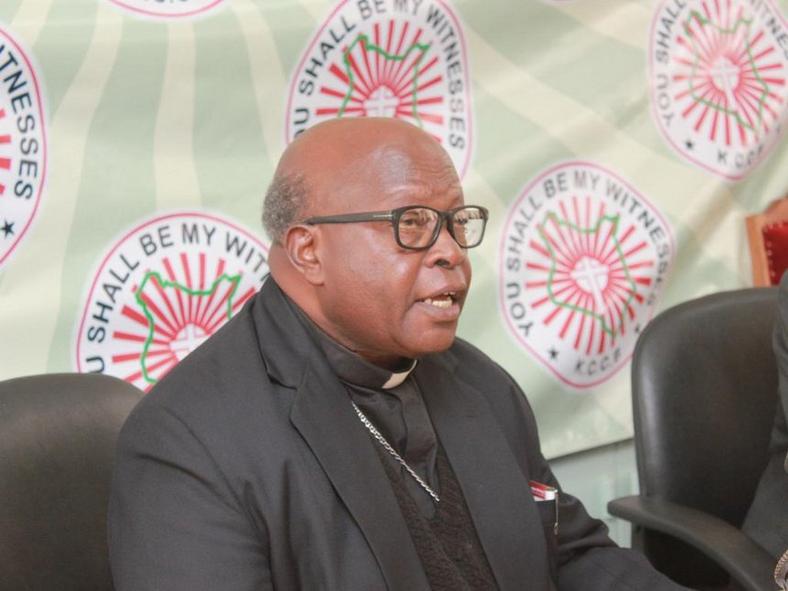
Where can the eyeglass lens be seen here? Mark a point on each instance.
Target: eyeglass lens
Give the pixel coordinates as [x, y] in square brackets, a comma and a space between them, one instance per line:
[417, 226]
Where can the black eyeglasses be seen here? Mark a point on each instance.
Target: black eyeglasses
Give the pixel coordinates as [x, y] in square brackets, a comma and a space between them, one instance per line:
[417, 227]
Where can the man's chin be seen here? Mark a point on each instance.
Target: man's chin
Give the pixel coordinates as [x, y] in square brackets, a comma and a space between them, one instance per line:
[434, 342]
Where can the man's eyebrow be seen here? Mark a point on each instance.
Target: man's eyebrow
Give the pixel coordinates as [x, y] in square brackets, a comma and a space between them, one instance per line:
[426, 191]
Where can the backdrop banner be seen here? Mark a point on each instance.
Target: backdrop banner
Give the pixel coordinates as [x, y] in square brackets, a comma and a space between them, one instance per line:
[618, 145]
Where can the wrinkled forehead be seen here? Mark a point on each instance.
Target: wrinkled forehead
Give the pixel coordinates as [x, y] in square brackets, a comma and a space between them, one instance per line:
[389, 176]
[413, 165]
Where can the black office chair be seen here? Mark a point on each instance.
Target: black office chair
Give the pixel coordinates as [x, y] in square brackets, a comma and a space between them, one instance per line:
[57, 442]
[704, 393]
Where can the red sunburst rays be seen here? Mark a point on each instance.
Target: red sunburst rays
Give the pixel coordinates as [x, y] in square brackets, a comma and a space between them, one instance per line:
[187, 301]
[586, 269]
[730, 75]
[390, 73]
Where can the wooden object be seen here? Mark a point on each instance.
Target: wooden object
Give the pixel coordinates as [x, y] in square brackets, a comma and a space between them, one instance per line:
[767, 234]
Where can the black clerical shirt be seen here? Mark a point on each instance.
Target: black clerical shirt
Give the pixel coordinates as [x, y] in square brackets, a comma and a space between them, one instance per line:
[393, 404]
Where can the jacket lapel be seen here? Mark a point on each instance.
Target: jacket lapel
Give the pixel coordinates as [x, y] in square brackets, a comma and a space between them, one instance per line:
[322, 413]
[495, 489]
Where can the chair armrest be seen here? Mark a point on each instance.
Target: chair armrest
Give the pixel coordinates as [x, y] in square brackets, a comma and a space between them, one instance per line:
[746, 562]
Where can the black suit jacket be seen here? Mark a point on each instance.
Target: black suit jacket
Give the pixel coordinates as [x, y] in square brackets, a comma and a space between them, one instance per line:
[247, 469]
[767, 519]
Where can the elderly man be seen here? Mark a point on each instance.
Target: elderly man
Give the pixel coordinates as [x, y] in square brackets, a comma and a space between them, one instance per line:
[334, 434]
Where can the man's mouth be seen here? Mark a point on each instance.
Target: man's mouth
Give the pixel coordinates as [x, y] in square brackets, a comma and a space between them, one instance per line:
[443, 301]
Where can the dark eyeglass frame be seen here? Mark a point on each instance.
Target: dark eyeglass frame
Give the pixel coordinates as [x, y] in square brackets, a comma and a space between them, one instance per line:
[394, 215]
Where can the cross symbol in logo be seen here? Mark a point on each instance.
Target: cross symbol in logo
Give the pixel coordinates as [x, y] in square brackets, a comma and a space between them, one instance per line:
[381, 103]
[592, 277]
[187, 340]
[725, 75]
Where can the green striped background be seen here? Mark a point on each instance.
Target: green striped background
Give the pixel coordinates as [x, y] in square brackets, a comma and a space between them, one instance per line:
[148, 116]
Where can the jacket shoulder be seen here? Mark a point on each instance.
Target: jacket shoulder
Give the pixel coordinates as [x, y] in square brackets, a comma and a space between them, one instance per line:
[220, 385]
[478, 369]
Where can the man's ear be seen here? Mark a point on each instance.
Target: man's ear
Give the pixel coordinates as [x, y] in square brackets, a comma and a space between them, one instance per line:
[302, 247]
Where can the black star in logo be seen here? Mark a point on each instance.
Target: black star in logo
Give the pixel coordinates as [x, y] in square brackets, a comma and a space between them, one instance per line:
[689, 144]
[553, 353]
[7, 228]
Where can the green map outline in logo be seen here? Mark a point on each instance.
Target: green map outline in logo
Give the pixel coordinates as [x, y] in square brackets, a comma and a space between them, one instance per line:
[614, 220]
[363, 38]
[703, 21]
[235, 280]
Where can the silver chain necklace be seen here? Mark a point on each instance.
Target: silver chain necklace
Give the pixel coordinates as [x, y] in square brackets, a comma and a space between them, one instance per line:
[387, 446]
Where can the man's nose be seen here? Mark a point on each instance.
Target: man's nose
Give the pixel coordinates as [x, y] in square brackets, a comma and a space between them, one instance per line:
[446, 252]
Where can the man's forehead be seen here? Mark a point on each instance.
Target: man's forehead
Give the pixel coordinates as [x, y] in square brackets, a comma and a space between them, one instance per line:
[425, 167]
[395, 181]
[349, 162]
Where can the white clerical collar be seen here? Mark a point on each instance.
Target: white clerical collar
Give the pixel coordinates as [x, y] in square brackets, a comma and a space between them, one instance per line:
[398, 377]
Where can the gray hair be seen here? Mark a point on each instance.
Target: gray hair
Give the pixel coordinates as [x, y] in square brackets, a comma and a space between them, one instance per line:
[284, 203]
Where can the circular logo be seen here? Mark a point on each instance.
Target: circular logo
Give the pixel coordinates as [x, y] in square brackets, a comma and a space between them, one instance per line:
[167, 8]
[388, 58]
[718, 81]
[164, 288]
[23, 147]
[583, 259]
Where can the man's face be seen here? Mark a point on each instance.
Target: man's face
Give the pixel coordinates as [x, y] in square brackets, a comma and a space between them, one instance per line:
[379, 299]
